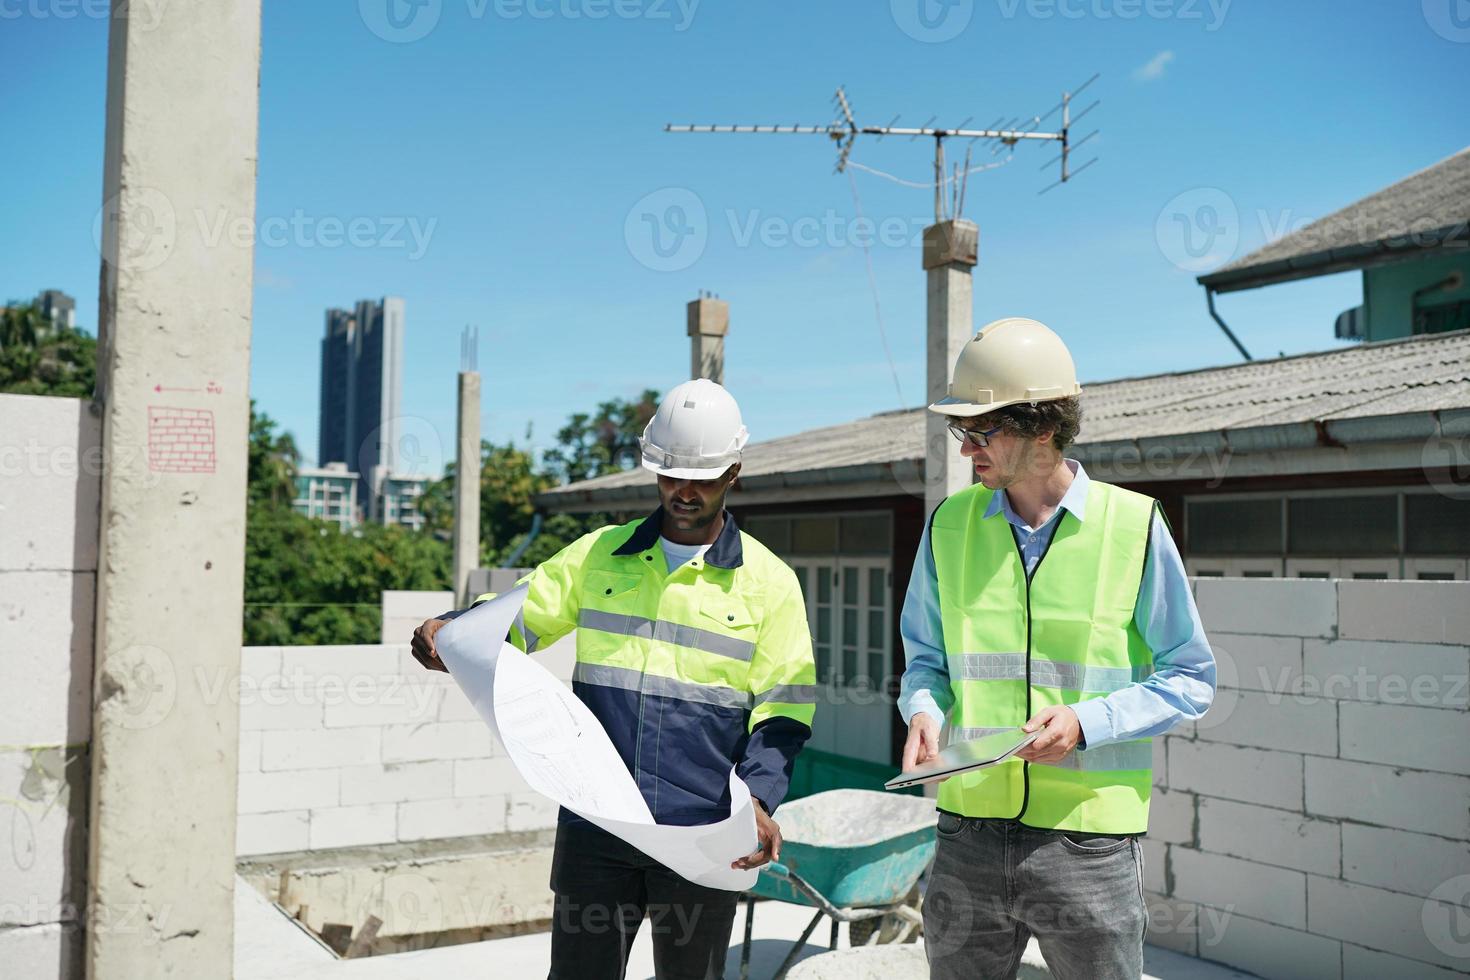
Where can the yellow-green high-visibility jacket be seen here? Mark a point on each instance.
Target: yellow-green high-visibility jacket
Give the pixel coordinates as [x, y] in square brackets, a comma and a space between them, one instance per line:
[692, 671]
[1016, 645]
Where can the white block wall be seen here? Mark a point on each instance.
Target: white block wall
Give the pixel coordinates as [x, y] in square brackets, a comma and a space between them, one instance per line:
[1316, 823]
[50, 477]
[358, 745]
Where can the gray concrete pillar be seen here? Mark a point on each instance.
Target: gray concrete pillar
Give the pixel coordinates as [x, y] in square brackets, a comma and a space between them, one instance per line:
[467, 486]
[950, 252]
[182, 97]
[708, 322]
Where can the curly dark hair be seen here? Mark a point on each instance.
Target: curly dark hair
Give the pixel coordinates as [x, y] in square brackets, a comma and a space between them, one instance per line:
[1061, 417]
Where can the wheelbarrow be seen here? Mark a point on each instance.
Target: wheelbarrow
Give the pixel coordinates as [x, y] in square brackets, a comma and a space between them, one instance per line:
[854, 855]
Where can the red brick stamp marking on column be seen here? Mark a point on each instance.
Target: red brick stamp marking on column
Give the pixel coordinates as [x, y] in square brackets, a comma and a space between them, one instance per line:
[180, 440]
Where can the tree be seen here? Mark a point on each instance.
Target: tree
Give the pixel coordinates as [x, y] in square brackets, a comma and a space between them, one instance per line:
[37, 360]
[605, 442]
[273, 461]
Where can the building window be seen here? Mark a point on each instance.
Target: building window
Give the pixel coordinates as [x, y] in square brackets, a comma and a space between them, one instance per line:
[1365, 525]
[1436, 525]
[1234, 527]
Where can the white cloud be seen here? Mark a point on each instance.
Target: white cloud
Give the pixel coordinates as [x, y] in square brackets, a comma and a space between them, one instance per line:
[1153, 68]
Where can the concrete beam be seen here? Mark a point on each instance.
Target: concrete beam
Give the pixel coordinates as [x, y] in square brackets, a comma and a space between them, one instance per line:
[708, 321]
[951, 250]
[174, 372]
[467, 485]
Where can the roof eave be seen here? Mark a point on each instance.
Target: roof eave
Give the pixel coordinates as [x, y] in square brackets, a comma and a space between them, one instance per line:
[1384, 251]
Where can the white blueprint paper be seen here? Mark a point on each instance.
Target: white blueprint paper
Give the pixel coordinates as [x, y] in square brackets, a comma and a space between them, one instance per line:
[563, 752]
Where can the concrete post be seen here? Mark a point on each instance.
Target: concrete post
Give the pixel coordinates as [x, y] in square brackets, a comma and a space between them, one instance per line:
[950, 252]
[182, 98]
[467, 486]
[708, 322]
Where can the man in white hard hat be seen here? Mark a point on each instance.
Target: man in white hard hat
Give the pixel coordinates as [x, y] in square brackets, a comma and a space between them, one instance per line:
[1046, 600]
[693, 653]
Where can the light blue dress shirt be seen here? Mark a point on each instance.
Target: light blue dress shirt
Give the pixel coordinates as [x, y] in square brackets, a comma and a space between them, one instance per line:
[1181, 686]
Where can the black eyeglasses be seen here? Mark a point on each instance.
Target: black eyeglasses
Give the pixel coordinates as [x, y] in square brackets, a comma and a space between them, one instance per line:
[973, 436]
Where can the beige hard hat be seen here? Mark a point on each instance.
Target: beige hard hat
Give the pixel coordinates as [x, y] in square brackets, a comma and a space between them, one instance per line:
[1009, 361]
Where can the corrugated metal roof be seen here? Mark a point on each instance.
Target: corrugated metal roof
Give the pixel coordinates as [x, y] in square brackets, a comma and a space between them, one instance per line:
[1402, 377]
[1426, 210]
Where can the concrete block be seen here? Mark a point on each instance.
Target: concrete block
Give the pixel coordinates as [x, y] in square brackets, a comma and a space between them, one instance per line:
[1431, 803]
[1273, 951]
[43, 817]
[250, 751]
[1171, 817]
[1155, 863]
[1256, 890]
[1251, 662]
[437, 740]
[1401, 861]
[430, 819]
[1274, 607]
[320, 748]
[331, 665]
[530, 811]
[292, 789]
[488, 777]
[404, 611]
[1279, 721]
[259, 666]
[387, 701]
[351, 826]
[1369, 964]
[1386, 921]
[1408, 612]
[271, 833]
[1247, 775]
[1182, 926]
[1161, 762]
[454, 706]
[1427, 675]
[274, 707]
[45, 951]
[46, 637]
[50, 483]
[1269, 836]
[1417, 738]
[397, 782]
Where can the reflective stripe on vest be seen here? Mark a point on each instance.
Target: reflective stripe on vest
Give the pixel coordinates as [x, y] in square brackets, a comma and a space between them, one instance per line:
[1016, 646]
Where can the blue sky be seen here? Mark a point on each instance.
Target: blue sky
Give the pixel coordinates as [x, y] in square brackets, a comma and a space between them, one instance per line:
[500, 167]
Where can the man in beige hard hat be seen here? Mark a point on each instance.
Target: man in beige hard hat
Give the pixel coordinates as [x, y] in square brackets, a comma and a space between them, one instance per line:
[1045, 600]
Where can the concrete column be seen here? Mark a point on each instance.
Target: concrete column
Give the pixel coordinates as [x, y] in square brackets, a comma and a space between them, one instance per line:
[709, 321]
[180, 159]
[467, 485]
[950, 252]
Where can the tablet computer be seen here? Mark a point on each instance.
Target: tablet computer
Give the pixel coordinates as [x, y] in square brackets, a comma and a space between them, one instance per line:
[976, 753]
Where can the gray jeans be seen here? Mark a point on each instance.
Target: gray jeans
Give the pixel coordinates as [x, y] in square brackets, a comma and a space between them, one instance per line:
[996, 883]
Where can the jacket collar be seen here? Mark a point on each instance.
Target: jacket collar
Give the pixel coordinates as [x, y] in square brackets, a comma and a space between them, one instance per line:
[724, 553]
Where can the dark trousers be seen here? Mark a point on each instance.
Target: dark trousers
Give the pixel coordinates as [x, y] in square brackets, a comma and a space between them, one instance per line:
[605, 888]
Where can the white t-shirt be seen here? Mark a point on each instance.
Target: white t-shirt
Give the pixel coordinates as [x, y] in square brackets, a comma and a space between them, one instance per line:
[677, 554]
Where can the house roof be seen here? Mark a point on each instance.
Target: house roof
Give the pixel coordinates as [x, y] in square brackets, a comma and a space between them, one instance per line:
[1393, 390]
[1426, 211]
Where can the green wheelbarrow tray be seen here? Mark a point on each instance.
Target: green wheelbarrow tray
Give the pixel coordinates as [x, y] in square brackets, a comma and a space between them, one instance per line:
[851, 854]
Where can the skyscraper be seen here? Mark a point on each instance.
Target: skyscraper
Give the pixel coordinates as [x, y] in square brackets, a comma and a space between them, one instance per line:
[361, 383]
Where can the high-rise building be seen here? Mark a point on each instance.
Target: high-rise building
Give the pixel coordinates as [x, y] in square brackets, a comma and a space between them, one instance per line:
[361, 384]
[328, 493]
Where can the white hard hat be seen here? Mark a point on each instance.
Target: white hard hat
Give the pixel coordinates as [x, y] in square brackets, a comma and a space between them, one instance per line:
[1009, 361]
[695, 434]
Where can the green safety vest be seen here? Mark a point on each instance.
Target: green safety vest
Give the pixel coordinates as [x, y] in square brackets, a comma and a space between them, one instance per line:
[1016, 646]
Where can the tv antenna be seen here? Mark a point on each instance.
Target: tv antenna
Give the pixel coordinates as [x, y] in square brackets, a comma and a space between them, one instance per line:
[1002, 134]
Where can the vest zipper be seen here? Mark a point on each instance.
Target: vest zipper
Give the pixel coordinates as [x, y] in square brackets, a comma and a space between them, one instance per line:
[1029, 575]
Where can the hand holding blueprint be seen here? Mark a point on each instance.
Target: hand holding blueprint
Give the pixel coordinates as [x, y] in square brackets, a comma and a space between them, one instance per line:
[563, 752]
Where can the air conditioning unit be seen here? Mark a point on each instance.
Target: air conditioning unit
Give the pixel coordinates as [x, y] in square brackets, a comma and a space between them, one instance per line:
[1352, 324]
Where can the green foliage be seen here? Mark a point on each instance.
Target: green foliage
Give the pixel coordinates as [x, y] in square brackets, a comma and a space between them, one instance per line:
[36, 359]
[309, 582]
[605, 442]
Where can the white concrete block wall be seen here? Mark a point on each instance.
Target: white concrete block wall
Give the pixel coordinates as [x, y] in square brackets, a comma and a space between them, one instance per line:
[359, 745]
[50, 478]
[1317, 821]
